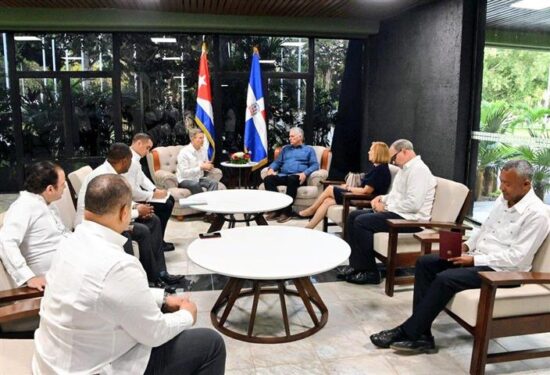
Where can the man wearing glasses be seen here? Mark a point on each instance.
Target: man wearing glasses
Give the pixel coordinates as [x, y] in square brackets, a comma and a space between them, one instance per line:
[411, 198]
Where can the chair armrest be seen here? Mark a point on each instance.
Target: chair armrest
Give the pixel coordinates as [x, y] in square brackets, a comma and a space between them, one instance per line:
[215, 174]
[332, 182]
[20, 310]
[165, 179]
[514, 278]
[19, 293]
[315, 178]
[402, 223]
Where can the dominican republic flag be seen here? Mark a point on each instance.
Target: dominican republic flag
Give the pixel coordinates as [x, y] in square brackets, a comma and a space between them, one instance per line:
[255, 129]
[203, 114]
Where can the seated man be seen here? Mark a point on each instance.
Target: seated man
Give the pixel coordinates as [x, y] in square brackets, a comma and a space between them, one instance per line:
[146, 230]
[143, 190]
[193, 165]
[411, 198]
[291, 168]
[98, 315]
[32, 228]
[507, 241]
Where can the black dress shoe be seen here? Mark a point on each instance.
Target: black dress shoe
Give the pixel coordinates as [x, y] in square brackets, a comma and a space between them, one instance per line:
[168, 246]
[157, 284]
[170, 279]
[344, 271]
[384, 339]
[283, 218]
[425, 344]
[364, 277]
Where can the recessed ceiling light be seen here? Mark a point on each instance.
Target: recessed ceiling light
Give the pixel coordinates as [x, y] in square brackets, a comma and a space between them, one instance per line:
[532, 4]
[174, 58]
[27, 38]
[163, 40]
[272, 62]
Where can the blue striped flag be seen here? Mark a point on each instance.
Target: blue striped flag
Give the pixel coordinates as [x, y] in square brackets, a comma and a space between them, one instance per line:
[203, 114]
[255, 129]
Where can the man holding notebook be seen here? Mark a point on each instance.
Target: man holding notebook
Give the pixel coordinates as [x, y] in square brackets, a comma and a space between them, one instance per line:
[507, 241]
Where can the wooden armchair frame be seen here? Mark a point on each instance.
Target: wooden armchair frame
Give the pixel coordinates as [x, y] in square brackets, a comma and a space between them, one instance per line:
[349, 200]
[395, 260]
[16, 304]
[487, 327]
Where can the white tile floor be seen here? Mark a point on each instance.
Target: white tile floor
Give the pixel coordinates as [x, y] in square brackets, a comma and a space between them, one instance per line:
[342, 346]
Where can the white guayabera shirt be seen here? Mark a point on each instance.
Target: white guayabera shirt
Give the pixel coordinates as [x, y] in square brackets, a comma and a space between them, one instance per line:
[29, 237]
[413, 191]
[189, 163]
[142, 187]
[98, 315]
[510, 237]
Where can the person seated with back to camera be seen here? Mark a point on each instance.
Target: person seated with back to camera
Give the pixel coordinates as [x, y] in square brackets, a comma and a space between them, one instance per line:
[98, 315]
[292, 167]
[411, 197]
[377, 181]
[507, 241]
[32, 227]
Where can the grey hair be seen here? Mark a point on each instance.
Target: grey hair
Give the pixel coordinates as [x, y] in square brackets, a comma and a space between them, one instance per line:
[522, 167]
[107, 193]
[194, 131]
[402, 144]
[297, 129]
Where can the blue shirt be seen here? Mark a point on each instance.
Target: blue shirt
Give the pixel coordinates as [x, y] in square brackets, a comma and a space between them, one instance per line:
[294, 160]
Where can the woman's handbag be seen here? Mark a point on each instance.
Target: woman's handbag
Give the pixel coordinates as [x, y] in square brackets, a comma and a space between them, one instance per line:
[353, 179]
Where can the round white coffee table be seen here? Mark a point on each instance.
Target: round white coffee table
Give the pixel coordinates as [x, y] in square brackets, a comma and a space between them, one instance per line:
[227, 203]
[242, 169]
[269, 255]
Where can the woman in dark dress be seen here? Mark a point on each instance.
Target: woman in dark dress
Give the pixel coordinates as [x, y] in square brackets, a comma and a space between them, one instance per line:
[375, 182]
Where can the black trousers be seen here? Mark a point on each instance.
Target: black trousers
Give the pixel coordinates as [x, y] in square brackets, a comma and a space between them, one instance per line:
[163, 211]
[147, 233]
[292, 183]
[194, 351]
[361, 226]
[436, 281]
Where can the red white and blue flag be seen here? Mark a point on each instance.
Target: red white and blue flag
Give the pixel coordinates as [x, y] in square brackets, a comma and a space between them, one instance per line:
[203, 114]
[255, 129]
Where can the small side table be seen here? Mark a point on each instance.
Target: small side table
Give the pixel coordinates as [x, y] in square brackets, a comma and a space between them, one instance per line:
[243, 172]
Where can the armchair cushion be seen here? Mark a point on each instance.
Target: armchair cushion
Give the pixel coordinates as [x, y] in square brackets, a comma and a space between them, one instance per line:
[523, 300]
[407, 243]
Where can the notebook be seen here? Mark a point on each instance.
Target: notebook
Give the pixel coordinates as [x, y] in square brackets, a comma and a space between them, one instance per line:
[450, 244]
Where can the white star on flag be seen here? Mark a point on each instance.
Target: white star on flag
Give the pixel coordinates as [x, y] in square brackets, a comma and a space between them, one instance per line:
[202, 81]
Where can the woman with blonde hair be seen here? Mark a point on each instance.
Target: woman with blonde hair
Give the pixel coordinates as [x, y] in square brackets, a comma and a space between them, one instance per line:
[375, 182]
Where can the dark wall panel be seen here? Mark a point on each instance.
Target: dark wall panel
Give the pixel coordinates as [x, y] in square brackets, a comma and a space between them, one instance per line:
[416, 65]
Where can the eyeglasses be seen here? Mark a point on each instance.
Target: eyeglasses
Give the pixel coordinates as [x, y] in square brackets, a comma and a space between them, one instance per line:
[392, 159]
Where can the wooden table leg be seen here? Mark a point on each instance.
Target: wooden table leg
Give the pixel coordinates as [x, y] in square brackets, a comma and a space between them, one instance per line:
[256, 288]
[260, 219]
[282, 290]
[218, 223]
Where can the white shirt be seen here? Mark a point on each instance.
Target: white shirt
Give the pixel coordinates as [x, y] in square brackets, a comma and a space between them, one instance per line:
[510, 237]
[29, 237]
[105, 168]
[142, 187]
[413, 191]
[189, 161]
[98, 315]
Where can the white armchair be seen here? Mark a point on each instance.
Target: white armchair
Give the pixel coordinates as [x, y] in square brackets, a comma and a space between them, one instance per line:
[162, 162]
[307, 194]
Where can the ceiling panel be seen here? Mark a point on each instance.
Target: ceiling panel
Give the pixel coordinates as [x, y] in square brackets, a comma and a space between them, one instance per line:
[500, 15]
[356, 9]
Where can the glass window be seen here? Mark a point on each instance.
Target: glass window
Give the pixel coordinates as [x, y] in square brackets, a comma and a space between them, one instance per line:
[514, 119]
[279, 54]
[233, 115]
[7, 142]
[64, 52]
[42, 118]
[158, 82]
[287, 108]
[92, 116]
[330, 55]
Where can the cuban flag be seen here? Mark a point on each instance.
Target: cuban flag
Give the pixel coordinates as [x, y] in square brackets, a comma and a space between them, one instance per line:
[203, 114]
[255, 129]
